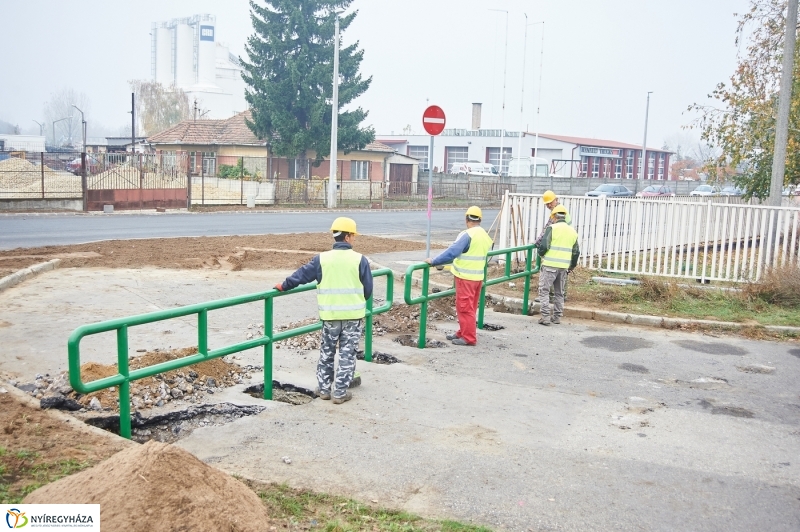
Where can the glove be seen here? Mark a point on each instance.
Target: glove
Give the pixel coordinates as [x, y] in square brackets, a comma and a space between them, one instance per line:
[279, 287]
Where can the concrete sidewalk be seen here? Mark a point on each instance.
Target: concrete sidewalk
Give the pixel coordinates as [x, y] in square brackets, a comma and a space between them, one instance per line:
[570, 427]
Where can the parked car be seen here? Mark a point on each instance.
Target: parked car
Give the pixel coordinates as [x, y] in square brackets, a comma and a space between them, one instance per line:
[705, 190]
[616, 191]
[92, 165]
[731, 190]
[656, 190]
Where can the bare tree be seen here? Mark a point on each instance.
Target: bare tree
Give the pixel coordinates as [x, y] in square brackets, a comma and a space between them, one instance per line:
[60, 105]
[158, 107]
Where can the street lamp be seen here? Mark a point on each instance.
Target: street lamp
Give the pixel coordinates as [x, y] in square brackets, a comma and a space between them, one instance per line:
[83, 123]
[644, 144]
[54, 127]
[503, 110]
[41, 128]
[522, 99]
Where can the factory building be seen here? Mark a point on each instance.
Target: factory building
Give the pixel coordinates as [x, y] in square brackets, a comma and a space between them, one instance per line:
[185, 53]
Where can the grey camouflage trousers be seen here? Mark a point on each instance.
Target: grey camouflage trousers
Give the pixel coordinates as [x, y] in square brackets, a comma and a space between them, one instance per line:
[346, 333]
[555, 277]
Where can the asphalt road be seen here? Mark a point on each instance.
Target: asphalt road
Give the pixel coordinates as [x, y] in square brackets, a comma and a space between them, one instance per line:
[23, 231]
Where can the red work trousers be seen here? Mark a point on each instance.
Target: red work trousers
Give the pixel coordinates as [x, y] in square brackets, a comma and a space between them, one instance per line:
[468, 295]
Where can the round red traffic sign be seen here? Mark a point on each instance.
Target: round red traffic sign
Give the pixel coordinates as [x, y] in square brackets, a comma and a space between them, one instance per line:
[433, 120]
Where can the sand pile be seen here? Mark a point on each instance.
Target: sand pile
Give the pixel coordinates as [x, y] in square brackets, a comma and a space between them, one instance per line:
[159, 487]
[21, 176]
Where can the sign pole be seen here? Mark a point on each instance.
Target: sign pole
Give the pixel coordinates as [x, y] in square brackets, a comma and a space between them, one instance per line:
[430, 198]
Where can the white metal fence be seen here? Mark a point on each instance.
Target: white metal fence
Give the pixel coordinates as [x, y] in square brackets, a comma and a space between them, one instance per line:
[678, 238]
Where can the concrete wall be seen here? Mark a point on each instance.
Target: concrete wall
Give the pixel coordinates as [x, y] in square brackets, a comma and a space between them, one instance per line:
[29, 205]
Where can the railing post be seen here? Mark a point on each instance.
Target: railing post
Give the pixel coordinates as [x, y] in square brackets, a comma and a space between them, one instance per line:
[124, 387]
[368, 332]
[202, 332]
[528, 263]
[423, 310]
[482, 300]
[268, 311]
[241, 180]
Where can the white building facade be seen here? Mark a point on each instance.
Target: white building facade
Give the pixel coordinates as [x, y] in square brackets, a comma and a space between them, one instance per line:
[184, 53]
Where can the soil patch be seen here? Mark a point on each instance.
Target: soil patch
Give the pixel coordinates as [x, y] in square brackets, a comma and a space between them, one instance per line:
[190, 384]
[37, 447]
[157, 487]
[711, 348]
[227, 253]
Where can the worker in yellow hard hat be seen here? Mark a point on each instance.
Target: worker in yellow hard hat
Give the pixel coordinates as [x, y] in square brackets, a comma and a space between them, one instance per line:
[344, 284]
[550, 201]
[468, 255]
[559, 252]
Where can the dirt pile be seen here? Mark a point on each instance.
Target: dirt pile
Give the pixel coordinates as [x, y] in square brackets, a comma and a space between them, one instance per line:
[258, 252]
[155, 487]
[188, 384]
[19, 175]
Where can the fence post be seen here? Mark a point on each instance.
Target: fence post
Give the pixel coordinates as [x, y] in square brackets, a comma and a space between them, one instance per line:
[83, 183]
[203, 185]
[186, 169]
[600, 227]
[41, 164]
[241, 180]
[705, 241]
[141, 182]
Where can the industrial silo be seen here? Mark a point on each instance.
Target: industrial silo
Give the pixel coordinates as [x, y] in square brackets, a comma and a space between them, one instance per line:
[184, 55]
[163, 55]
[206, 63]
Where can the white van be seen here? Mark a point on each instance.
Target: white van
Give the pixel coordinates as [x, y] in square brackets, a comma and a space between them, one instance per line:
[528, 167]
[473, 168]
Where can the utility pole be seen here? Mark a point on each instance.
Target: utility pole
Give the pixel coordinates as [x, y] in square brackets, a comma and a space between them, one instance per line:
[503, 111]
[644, 144]
[41, 128]
[334, 118]
[784, 104]
[133, 124]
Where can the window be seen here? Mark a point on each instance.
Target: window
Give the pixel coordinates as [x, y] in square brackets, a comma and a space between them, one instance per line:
[639, 167]
[455, 155]
[595, 166]
[359, 170]
[629, 165]
[606, 167]
[296, 170]
[421, 154]
[584, 166]
[651, 163]
[493, 154]
[661, 166]
[618, 169]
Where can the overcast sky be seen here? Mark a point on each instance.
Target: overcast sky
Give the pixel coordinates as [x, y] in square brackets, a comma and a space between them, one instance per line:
[600, 59]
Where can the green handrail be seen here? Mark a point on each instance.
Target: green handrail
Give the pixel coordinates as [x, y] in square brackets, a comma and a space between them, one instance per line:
[124, 376]
[425, 297]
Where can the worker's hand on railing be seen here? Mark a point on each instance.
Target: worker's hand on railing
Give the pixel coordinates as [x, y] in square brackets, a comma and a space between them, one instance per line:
[428, 261]
[279, 287]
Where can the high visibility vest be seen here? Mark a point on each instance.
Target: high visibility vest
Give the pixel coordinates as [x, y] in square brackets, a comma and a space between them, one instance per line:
[562, 239]
[470, 264]
[340, 294]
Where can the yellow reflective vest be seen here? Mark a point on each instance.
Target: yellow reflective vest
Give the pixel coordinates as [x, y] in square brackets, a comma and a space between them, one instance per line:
[340, 294]
[470, 264]
[562, 239]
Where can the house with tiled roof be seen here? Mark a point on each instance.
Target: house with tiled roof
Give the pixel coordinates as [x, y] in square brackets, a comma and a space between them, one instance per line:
[213, 143]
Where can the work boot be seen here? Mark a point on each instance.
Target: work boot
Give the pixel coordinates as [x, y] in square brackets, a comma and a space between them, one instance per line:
[461, 341]
[343, 399]
[325, 396]
[556, 320]
[451, 336]
[543, 321]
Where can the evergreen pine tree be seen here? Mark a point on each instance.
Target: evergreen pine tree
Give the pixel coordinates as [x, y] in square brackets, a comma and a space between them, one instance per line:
[290, 78]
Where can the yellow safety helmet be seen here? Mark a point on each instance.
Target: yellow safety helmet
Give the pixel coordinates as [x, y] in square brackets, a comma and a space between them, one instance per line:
[343, 224]
[475, 212]
[559, 209]
[548, 196]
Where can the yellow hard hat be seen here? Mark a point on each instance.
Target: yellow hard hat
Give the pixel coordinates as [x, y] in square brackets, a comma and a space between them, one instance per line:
[342, 224]
[559, 209]
[548, 196]
[475, 212]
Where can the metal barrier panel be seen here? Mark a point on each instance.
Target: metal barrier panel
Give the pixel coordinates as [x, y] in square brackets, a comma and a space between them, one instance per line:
[43, 175]
[679, 238]
[508, 275]
[124, 376]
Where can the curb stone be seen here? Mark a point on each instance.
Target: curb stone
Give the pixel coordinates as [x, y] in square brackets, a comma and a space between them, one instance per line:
[661, 322]
[26, 273]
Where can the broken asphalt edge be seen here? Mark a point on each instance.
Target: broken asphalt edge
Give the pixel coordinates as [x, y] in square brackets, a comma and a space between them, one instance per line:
[26, 273]
[661, 322]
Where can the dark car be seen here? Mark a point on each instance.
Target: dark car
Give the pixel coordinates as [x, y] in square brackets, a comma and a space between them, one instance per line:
[731, 191]
[617, 191]
[656, 190]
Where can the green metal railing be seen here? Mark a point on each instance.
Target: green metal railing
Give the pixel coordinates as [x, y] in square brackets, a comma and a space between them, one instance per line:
[425, 297]
[124, 376]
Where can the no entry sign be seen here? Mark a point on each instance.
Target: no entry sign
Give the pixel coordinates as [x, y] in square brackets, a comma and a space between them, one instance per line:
[433, 120]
